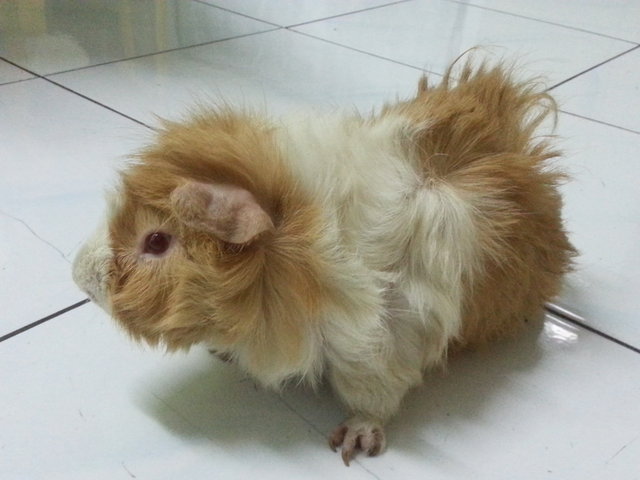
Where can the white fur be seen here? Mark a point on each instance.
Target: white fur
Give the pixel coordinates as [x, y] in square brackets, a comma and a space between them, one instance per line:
[91, 267]
[399, 248]
[92, 262]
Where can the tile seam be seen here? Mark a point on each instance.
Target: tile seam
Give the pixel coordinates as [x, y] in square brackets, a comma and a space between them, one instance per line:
[548, 22]
[374, 55]
[319, 432]
[225, 9]
[331, 17]
[601, 122]
[593, 67]
[580, 322]
[31, 325]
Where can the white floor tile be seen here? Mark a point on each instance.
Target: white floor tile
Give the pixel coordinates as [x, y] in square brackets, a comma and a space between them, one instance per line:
[609, 93]
[615, 18]
[552, 404]
[90, 404]
[52, 36]
[9, 73]
[292, 12]
[34, 277]
[430, 34]
[59, 152]
[313, 73]
[559, 406]
[602, 208]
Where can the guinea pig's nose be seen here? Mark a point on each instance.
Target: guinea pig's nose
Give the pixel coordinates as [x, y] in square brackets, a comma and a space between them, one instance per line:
[91, 267]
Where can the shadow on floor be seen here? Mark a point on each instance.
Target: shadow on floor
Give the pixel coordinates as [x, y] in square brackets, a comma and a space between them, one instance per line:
[213, 401]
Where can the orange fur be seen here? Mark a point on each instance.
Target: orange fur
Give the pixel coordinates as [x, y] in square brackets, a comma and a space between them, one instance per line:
[479, 139]
[255, 296]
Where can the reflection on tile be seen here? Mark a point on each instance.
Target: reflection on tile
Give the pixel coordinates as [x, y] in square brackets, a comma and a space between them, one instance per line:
[291, 12]
[561, 333]
[312, 73]
[435, 32]
[616, 18]
[9, 73]
[92, 405]
[609, 93]
[53, 35]
[602, 210]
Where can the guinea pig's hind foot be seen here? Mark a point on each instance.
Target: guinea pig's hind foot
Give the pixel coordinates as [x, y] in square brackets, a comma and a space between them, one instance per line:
[357, 434]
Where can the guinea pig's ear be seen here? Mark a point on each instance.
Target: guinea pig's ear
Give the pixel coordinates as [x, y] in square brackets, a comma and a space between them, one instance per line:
[231, 213]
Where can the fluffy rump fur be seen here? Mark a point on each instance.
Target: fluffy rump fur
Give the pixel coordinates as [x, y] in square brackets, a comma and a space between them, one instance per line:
[360, 249]
[479, 138]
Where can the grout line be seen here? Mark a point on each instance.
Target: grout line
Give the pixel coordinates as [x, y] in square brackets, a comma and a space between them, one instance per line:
[319, 432]
[111, 109]
[313, 427]
[579, 321]
[578, 29]
[563, 312]
[380, 57]
[47, 77]
[213, 5]
[12, 82]
[346, 13]
[594, 67]
[301, 23]
[43, 320]
[19, 68]
[601, 122]
[41, 77]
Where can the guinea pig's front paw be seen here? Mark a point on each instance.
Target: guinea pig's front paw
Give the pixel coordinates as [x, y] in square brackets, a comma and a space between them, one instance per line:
[355, 434]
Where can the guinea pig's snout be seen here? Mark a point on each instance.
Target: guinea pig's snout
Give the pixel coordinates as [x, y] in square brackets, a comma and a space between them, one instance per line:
[91, 268]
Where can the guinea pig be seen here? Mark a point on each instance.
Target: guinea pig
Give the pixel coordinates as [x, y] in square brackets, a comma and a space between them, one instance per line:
[354, 249]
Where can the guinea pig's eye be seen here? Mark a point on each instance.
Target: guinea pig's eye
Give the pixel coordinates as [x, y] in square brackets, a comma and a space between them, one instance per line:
[157, 243]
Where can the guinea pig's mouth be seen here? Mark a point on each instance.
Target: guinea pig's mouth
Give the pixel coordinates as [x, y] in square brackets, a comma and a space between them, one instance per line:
[95, 286]
[95, 298]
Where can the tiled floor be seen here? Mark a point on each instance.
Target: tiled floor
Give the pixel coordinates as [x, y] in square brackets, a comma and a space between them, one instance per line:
[81, 81]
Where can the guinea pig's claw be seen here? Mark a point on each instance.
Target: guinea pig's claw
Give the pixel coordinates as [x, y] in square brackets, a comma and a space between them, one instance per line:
[337, 437]
[357, 435]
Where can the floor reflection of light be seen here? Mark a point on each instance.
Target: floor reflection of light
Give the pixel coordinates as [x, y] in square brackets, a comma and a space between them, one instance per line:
[560, 332]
